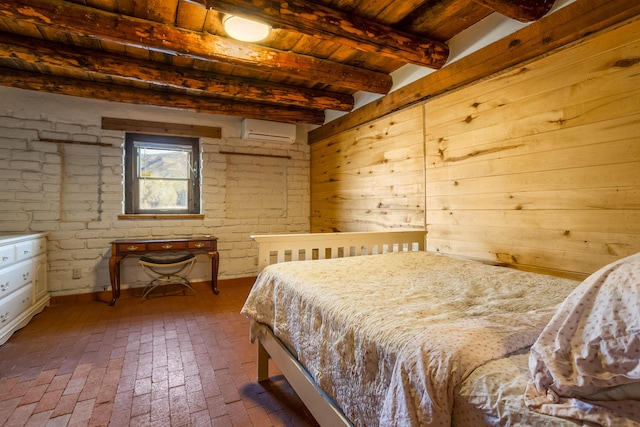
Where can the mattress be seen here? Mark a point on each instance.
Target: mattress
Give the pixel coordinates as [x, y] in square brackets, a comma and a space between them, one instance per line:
[390, 338]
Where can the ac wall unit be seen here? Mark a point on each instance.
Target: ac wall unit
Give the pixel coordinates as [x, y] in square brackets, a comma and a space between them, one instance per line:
[264, 130]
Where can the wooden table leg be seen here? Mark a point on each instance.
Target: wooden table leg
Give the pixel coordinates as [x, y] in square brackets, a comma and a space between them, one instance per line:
[215, 261]
[114, 276]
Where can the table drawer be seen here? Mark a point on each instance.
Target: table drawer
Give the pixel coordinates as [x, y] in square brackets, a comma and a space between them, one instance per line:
[204, 245]
[132, 247]
[166, 246]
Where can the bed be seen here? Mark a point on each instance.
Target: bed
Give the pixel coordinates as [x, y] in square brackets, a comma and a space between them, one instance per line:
[372, 330]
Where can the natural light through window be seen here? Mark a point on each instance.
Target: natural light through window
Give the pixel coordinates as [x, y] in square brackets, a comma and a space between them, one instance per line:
[162, 175]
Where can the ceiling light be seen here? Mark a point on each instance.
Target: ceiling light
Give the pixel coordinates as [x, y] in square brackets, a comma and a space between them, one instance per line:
[245, 30]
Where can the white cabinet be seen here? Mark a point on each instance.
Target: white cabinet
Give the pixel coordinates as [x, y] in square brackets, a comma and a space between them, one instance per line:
[23, 281]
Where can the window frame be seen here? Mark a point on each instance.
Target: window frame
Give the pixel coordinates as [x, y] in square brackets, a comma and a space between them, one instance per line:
[131, 180]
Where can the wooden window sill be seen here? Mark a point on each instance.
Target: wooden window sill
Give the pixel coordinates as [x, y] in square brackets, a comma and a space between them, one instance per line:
[161, 216]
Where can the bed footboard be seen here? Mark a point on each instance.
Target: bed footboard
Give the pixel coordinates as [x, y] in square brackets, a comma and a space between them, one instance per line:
[275, 248]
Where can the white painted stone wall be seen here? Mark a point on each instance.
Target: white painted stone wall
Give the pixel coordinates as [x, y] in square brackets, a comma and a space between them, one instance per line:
[75, 192]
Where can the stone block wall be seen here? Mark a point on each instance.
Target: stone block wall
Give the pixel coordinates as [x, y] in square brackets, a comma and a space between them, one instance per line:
[74, 190]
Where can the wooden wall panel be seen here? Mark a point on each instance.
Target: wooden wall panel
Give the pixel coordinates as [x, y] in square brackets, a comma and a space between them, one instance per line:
[370, 178]
[539, 167]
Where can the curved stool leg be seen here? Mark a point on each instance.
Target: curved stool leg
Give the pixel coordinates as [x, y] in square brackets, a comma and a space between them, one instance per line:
[165, 273]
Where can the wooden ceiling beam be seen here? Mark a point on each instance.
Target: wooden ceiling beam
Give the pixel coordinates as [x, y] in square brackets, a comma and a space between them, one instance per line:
[107, 92]
[521, 10]
[89, 22]
[319, 21]
[28, 50]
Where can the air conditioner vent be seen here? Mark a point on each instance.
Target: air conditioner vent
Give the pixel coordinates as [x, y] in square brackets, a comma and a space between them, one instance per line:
[264, 130]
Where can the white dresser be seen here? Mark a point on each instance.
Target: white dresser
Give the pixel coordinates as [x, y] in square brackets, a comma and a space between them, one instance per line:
[23, 281]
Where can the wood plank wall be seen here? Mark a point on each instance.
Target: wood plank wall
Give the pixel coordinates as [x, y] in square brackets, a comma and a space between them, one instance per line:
[538, 167]
[370, 178]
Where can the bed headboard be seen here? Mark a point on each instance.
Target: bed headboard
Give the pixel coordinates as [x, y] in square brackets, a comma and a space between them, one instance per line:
[274, 248]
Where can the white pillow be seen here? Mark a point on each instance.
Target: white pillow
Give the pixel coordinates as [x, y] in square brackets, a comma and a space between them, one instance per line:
[590, 350]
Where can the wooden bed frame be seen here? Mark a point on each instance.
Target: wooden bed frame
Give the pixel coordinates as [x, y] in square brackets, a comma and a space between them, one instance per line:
[297, 247]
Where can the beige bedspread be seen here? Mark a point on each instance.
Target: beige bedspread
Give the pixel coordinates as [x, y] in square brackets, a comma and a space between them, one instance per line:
[366, 327]
[492, 395]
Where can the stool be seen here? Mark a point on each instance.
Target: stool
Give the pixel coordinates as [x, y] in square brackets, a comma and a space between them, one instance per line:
[167, 268]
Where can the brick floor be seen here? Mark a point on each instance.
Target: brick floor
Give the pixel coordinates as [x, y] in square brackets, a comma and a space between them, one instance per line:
[169, 361]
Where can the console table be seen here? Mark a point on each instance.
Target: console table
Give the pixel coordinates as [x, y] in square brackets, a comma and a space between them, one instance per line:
[139, 247]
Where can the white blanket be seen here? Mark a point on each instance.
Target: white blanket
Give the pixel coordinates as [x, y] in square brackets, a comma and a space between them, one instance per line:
[365, 327]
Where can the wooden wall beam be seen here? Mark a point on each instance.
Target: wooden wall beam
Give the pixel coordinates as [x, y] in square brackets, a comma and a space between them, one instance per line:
[56, 57]
[107, 92]
[522, 10]
[567, 25]
[319, 21]
[161, 128]
[85, 21]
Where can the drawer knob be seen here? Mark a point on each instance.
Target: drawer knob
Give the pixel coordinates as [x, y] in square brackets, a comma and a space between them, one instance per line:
[4, 286]
[132, 248]
[4, 258]
[167, 246]
[200, 245]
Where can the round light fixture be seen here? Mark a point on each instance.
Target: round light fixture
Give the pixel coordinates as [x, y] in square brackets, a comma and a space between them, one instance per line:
[244, 29]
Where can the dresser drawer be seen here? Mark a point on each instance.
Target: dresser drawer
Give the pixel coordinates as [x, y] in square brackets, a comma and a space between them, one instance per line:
[23, 274]
[14, 304]
[7, 255]
[39, 246]
[24, 250]
[14, 277]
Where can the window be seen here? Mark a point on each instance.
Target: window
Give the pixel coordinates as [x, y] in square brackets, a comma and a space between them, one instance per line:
[162, 174]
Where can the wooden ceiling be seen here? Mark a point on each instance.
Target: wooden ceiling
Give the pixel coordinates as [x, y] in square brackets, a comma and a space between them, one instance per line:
[175, 53]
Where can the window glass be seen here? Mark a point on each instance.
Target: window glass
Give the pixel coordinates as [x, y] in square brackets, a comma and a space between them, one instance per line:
[162, 174]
